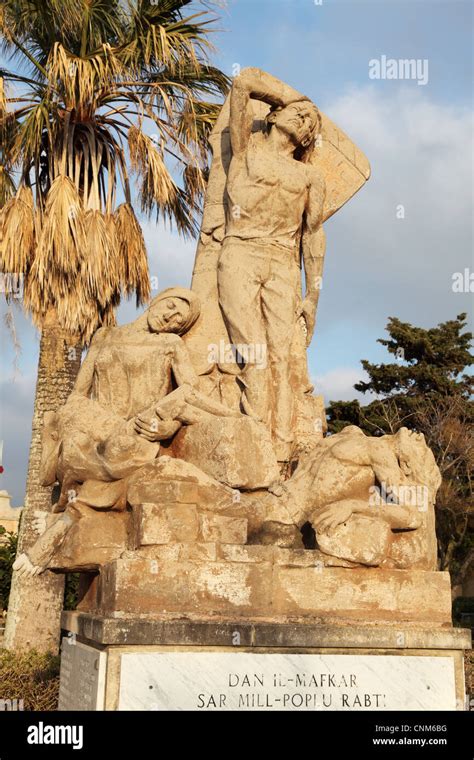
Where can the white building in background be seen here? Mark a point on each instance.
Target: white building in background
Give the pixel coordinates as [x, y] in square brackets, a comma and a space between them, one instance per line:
[9, 516]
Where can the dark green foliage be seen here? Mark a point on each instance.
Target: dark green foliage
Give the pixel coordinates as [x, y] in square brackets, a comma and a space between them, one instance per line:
[428, 361]
[8, 543]
[427, 389]
[463, 612]
[70, 591]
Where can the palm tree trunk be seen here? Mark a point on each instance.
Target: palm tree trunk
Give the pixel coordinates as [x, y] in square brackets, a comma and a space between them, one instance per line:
[35, 605]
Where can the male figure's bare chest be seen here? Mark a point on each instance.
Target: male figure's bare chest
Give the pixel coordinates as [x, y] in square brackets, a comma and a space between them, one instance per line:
[261, 170]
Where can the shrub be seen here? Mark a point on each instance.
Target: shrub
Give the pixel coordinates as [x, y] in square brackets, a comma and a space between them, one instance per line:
[31, 677]
[8, 542]
[71, 591]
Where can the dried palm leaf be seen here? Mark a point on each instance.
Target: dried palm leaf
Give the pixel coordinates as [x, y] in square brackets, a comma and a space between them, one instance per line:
[7, 189]
[99, 267]
[17, 232]
[133, 261]
[3, 102]
[81, 79]
[62, 239]
[157, 185]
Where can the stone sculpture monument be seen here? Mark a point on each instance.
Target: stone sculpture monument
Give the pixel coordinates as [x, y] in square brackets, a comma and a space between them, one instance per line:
[198, 494]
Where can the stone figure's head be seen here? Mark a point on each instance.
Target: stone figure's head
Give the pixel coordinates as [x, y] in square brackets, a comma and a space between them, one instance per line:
[174, 310]
[416, 460]
[301, 121]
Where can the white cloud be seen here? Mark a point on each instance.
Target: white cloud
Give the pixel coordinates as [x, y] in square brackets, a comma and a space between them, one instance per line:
[338, 385]
[379, 265]
[171, 257]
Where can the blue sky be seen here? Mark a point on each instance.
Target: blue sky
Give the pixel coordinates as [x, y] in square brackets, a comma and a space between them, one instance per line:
[418, 139]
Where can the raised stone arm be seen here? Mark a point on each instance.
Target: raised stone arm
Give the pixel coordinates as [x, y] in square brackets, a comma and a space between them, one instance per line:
[257, 84]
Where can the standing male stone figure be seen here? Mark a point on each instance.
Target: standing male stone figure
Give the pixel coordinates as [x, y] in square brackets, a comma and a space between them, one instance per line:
[274, 212]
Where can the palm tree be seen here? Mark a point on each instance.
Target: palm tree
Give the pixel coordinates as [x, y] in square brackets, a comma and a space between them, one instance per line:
[103, 90]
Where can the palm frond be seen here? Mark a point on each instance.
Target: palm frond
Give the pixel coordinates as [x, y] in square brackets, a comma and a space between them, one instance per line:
[99, 265]
[81, 79]
[96, 76]
[17, 232]
[133, 257]
[61, 240]
[7, 188]
[157, 185]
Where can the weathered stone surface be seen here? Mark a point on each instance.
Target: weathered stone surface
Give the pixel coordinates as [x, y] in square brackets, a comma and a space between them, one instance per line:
[167, 523]
[169, 480]
[266, 590]
[198, 550]
[359, 593]
[237, 553]
[139, 630]
[185, 523]
[150, 586]
[310, 412]
[223, 530]
[305, 558]
[235, 451]
[366, 541]
[96, 539]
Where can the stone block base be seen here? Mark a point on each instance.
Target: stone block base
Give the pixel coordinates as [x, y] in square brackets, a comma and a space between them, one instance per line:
[158, 524]
[234, 451]
[144, 664]
[97, 538]
[221, 581]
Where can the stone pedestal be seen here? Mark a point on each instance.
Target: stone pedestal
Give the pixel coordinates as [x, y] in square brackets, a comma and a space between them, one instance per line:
[214, 580]
[139, 663]
[188, 615]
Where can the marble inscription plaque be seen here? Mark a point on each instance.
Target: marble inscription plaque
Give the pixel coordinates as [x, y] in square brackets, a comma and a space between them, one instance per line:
[247, 681]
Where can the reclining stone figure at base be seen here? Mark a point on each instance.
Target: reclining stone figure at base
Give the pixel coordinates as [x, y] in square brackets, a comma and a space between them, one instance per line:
[368, 499]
